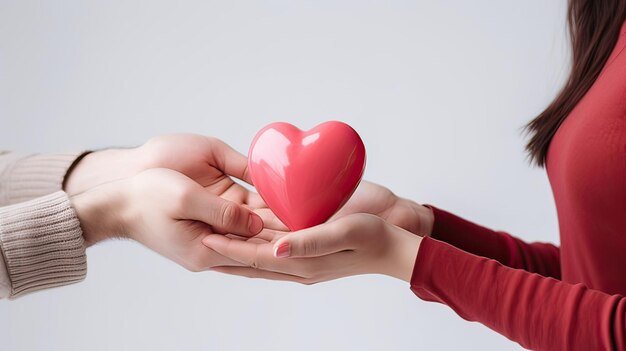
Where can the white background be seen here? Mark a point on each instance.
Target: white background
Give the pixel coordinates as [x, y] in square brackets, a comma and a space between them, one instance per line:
[437, 89]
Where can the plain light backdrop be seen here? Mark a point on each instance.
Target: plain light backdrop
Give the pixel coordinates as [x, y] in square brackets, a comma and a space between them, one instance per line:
[438, 90]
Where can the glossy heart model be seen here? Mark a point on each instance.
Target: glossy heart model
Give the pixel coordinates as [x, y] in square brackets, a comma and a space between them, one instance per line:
[306, 176]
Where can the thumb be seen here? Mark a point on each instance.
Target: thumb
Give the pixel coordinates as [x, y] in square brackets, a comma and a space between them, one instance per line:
[317, 241]
[223, 215]
[231, 162]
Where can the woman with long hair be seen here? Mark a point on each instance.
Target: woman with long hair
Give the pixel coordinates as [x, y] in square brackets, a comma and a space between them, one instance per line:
[542, 296]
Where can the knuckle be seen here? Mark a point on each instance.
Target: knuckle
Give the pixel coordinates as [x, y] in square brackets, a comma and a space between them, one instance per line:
[217, 143]
[336, 226]
[352, 231]
[367, 221]
[229, 214]
[151, 152]
[351, 234]
[246, 172]
[211, 139]
[181, 197]
[309, 247]
[254, 260]
[250, 260]
[214, 143]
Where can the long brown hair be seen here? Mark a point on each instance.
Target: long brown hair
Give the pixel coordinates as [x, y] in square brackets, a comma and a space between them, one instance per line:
[594, 28]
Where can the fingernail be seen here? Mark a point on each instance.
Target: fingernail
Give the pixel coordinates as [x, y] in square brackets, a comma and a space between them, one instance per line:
[283, 250]
[255, 224]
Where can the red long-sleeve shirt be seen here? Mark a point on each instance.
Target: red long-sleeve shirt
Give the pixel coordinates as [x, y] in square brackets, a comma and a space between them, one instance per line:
[539, 295]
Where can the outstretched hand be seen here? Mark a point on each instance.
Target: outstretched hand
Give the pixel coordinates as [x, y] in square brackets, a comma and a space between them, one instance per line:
[354, 244]
[377, 200]
[371, 198]
[168, 195]
[208, 161]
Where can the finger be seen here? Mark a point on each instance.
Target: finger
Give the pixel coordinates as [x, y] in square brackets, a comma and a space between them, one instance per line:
[208, 258]
[266, 236]
[270, 235]
[235, 193]
[205, 258]
[258, 273]
[255, 200]
[257, 241]
[270, 220]
[254, 239]
[257, 255]
[241, 251]
[236, 237]
[316, 241]
[223, 215]
[230, 161]
[260, 256]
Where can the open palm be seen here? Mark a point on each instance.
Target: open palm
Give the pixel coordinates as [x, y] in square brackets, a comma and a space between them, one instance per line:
[377, 200]
[369, 198]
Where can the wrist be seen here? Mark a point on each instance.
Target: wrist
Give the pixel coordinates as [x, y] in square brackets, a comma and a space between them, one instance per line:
[404, 248]
[424, 219]
[101, 167]
[100, 212]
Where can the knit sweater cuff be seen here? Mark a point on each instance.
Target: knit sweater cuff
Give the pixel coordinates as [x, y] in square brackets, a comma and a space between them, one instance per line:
[32, 176]
[42, 243]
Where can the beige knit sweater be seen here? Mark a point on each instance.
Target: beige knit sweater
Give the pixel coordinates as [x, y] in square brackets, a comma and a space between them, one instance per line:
[41, 242]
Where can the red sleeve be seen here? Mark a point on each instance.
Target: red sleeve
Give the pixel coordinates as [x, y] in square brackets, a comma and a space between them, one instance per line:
[539, 313]
[539, 258]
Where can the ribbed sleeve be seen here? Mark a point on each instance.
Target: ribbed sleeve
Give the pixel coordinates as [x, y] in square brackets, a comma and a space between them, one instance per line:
[42, 244]
[25, 177]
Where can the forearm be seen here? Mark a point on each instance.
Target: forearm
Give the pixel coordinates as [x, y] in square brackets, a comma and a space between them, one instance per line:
[541, 258]
[538, 312]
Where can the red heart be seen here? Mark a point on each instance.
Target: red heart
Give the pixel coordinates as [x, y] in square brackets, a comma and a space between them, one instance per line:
[306, 176]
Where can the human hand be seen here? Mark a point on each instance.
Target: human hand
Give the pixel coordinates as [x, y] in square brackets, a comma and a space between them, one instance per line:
[351, 245]
[380, 201]
[206, 160]
[167, 212]
[377, 200]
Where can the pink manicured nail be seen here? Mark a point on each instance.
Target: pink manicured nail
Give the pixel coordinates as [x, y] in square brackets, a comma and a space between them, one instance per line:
[282, 250]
